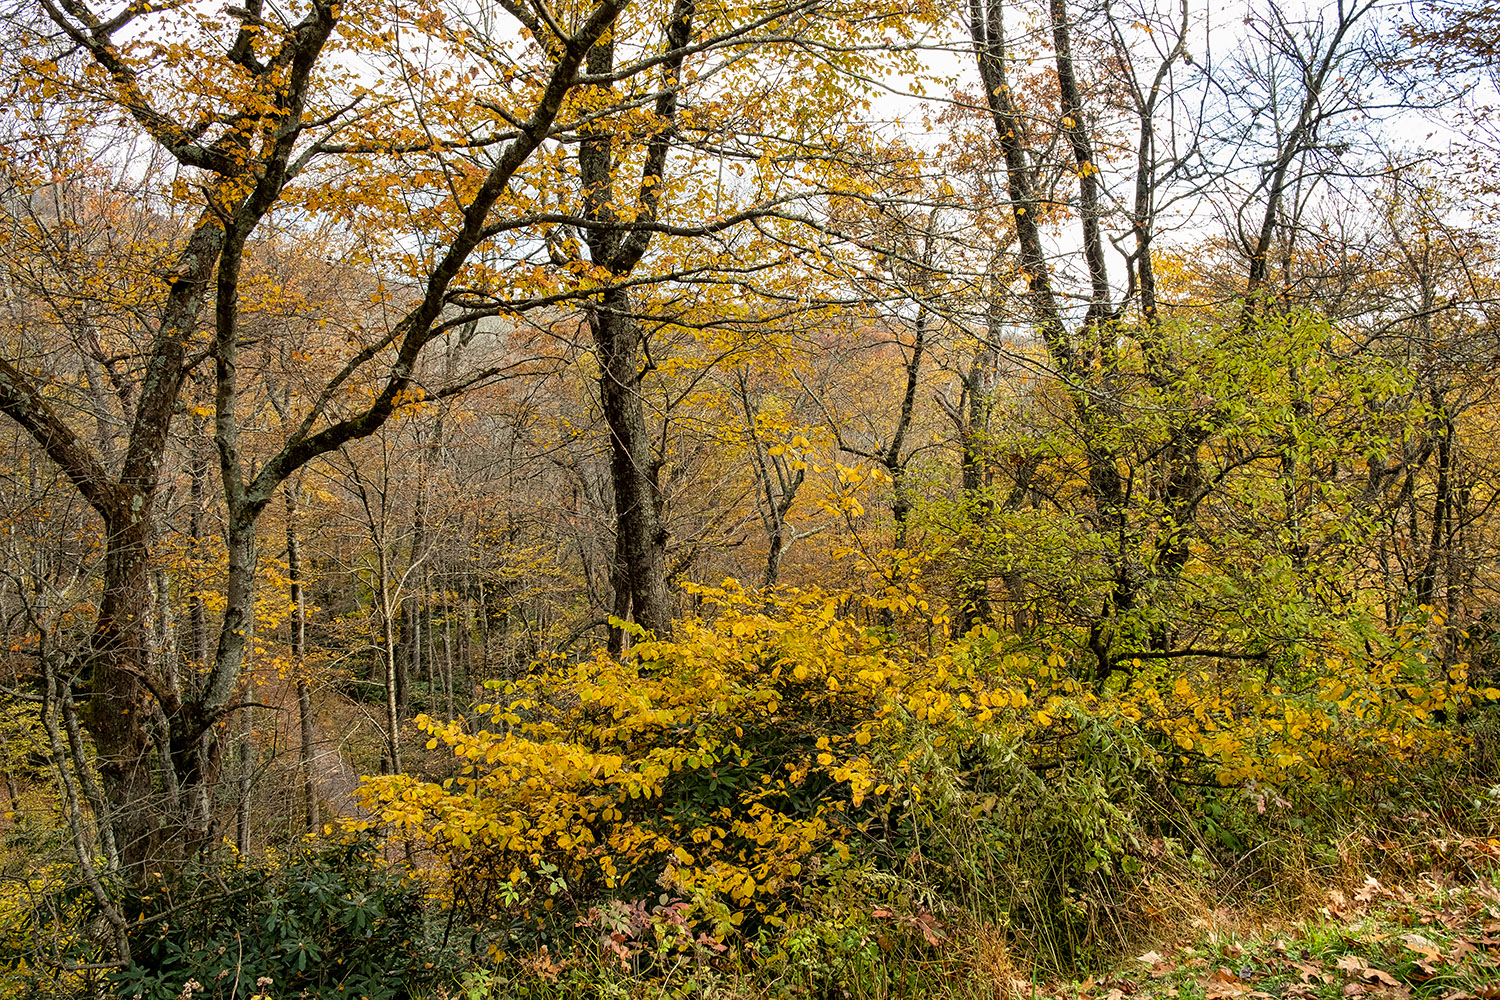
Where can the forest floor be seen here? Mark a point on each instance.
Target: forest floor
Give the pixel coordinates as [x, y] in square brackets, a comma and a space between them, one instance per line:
[1433, 938]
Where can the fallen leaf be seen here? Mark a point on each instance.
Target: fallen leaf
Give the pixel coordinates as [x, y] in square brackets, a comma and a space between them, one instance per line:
[1150, 958]
[1311, 971]
[1371, 889]
[1422, 946]
[1379, 976]
[1223, 983]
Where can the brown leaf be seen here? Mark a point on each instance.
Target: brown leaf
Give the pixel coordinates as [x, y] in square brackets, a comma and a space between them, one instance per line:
[1425, 969]
[1224, 984]
[1422, 946]
[931, 930]
[1370, 890]
[1380, 976]
[1351, 963]
[1312, 971]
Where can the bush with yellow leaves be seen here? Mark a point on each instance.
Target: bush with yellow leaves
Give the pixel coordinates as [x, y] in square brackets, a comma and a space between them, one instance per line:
[774, 748]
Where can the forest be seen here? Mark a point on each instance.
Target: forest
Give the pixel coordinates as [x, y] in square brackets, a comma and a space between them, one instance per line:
[829, 499]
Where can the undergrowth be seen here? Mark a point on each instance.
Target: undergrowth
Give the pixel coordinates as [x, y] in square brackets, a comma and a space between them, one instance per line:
[782, 803]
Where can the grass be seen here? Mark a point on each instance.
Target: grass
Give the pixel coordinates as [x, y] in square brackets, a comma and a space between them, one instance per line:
[1431, 939]
[1432, 935]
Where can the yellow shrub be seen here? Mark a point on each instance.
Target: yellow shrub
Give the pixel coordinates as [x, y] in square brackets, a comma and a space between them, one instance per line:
[757, 748]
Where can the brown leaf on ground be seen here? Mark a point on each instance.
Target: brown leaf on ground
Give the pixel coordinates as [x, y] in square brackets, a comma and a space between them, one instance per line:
[1222, 983]
[1312, 971]
[1234, 991]
[1370, 890]
[1422, 946]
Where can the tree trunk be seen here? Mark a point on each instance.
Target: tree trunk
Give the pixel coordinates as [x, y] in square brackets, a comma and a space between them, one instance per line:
[448, 637]
[641, 537]
[388, 647]
[299, 663]
[974, 602]
[246, 764]
[116, 716]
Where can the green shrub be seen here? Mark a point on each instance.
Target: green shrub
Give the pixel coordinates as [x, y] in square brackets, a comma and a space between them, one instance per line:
[330, 920]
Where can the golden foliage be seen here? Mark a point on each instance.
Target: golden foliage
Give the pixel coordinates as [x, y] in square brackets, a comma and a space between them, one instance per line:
[767, 745]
